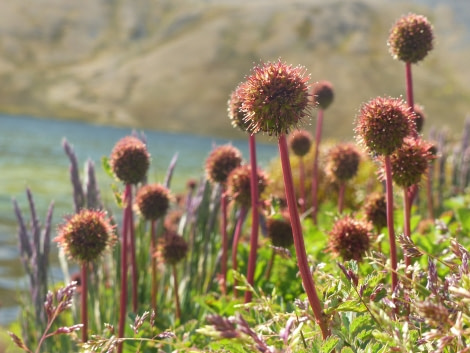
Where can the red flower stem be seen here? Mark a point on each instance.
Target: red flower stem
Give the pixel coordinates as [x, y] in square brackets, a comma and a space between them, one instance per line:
[133, 259]
[177, 298]
[315, 166]
[223, 265]
[299, 245]
[236, 239]
[123, 302]
[342, 188]
[409, 86]
[407, 220]
[302, 184]
[390, 225]
[254, 217]
[270, 265]
[153, 248]
[84, 308]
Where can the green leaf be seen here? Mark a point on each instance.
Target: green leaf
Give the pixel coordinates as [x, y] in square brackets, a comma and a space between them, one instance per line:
[107, 166]
[347, 350]
[463, 215]
[117, 195]
[382, 336]
[358, 324]
[357, 307]
[329, 344]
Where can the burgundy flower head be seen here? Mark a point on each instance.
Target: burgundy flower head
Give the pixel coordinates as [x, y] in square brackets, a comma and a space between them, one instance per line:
[235, 114]
[221, 161]
[130, 160]
[300, 142]
[275, 98]
[410, 162]
[411, 38]
[85, 235]
[152, 201]
[383, 123]
[342, 162]
[323, 94]
[375, 210]
[350, 238]
[279, 230]
[173, 248]
[239, 184]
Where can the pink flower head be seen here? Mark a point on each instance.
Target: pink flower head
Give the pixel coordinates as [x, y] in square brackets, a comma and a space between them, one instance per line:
[275, 98]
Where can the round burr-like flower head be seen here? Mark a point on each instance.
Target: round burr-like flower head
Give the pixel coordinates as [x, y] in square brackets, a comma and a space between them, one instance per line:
[85, 235]
[375, 210]
[130, 160]
[300, 142]
[275, 98]
[235, 114]
[173, 248]
[221, 161]
[411, 38]
[350, 238]
[279, 230]
[383, 123]
[419, 117]
[342, 162]
[152, 201]
[322, 93]
[239, 184]
[410, 162]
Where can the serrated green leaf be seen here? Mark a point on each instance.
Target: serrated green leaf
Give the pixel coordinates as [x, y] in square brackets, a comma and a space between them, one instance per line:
[347, 350]
[107, 166]
[382, 336]
[329, 344]
[357, 307]
[463, 215]
[358, 324]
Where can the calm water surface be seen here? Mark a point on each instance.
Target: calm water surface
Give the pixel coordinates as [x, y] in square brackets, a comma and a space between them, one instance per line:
[31, 155]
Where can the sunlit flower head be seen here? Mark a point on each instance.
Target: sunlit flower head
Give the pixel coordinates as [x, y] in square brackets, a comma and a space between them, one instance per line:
[130, 160]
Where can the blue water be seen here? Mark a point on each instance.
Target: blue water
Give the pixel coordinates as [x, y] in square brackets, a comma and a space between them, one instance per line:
[31, 155]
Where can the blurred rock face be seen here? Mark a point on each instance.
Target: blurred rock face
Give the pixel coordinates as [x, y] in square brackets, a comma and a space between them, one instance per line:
[171, 65]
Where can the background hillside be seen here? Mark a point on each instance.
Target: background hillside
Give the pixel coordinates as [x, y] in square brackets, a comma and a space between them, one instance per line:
[171, 64]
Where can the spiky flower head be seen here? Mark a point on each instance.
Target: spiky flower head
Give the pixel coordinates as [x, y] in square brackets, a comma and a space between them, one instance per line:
[323, 94]
[375, 210]
[85, 235]
[221, 161]
[274, 98]
[350, 238]
[300, 142]
[342, 162]
[419, 117]
[152, 201]
[410, 162]
[130, 160]
[279, 230]
[173, 248]
[239, 184]
[235, 114]
[411, 38]
[383, 123]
